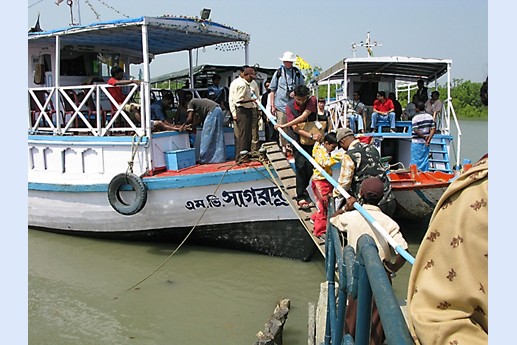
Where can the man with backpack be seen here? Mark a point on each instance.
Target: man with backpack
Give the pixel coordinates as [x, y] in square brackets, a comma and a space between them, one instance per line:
[283, 82]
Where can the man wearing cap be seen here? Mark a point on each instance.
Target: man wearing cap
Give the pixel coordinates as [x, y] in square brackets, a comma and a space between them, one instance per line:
[283, 82]
[355, 225]
[241, 105]
[360, 162]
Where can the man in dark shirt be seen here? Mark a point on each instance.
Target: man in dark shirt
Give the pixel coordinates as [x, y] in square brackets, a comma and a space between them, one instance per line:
[212, 148]
[397, 106]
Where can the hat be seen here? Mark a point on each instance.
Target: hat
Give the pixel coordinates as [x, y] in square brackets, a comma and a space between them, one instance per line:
[372, 188]
[288, 56]
[343, 133]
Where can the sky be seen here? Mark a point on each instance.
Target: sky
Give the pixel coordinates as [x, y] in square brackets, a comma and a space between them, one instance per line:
[321, 32]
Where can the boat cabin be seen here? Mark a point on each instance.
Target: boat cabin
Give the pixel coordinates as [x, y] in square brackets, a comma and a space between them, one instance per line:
[368, 76]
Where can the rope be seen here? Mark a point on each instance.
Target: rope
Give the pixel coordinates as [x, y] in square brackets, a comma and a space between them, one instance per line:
[186, 237]
[376, 225]
[134, 150]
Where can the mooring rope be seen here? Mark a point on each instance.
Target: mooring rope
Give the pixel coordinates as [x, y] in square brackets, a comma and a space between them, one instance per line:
[186, 237]
[376, 225]
[134, 150]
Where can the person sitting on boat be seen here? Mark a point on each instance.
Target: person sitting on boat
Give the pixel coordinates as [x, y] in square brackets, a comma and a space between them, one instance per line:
[321, 187]
[356, 111]
[354, 224]
[384, 109]
[423, 130]
[159, 120]
[360, 162]
[410, 110]
[434, 106]
[397, 106]
[116, 81]
[303, 108]
[212, 148]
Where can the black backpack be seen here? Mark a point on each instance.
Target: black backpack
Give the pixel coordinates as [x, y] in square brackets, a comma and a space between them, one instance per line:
[297, 74]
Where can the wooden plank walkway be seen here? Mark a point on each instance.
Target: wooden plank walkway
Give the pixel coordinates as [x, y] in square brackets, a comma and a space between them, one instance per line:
[286, 178]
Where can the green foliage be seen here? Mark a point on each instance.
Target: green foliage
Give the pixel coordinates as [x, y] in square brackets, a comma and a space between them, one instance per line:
[465, 99]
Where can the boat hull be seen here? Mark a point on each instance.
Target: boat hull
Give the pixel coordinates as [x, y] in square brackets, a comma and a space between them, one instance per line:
[240, 213]
[417, 192]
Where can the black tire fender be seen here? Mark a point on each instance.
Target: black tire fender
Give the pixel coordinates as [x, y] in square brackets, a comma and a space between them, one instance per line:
[115, 199]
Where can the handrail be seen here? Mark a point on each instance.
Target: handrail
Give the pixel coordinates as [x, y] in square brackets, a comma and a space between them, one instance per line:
[356, 273]
[376, 225]
[81, 118]
[458, 148]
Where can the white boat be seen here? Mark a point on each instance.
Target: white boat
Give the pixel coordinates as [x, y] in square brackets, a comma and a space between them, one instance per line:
[416, 192]
[85, 152]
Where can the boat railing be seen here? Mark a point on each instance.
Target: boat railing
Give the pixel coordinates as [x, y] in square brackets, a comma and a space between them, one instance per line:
[84, 109]
[338, 112]
[448, 105]
[360, 276]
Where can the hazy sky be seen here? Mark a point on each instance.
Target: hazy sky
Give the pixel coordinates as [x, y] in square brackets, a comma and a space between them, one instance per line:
[321, 32]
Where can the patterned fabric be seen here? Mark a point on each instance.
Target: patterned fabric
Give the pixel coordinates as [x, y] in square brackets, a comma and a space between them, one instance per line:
[325, 160]
[322, 190]
[360, 162]
[448, 286]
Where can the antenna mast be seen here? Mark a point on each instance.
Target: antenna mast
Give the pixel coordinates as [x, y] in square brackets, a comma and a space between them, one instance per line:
[366, 44]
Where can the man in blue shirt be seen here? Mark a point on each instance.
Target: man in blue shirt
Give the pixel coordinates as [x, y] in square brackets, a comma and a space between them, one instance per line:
[159, 114]
[283, 82]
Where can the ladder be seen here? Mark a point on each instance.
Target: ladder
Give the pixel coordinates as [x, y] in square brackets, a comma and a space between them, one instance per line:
[439, 154]
[287, 180]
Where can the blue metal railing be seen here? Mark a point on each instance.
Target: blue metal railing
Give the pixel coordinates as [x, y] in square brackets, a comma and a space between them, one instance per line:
[361, 276]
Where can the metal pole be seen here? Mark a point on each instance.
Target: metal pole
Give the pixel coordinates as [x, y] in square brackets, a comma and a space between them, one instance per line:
[56, 85]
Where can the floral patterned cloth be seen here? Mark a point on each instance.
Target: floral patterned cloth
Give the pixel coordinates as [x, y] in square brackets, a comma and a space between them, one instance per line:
[448, 286]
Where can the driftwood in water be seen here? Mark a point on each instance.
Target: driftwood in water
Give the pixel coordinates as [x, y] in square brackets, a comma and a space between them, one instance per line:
[272, 334]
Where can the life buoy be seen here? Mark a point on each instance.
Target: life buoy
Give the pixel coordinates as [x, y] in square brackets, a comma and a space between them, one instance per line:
[118, 203]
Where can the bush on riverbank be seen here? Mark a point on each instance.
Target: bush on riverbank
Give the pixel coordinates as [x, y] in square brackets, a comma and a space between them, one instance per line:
[465, 99]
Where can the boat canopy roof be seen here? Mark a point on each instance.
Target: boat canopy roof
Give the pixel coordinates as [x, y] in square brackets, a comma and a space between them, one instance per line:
[403, 68]
[205, 72]
[166, 34]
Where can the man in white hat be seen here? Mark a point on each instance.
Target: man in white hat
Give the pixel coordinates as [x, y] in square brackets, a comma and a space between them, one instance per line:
[283, 82]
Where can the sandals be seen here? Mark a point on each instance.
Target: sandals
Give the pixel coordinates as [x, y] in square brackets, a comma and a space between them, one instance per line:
[303, 205]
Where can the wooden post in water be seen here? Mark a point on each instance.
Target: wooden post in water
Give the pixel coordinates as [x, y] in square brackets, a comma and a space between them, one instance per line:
[272, 334]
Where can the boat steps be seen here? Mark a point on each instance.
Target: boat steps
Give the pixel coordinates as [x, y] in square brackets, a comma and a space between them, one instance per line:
[441, 160]
[439, 155]
[287, 180]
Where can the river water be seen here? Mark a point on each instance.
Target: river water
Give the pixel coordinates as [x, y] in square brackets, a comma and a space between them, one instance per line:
[81, 291]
